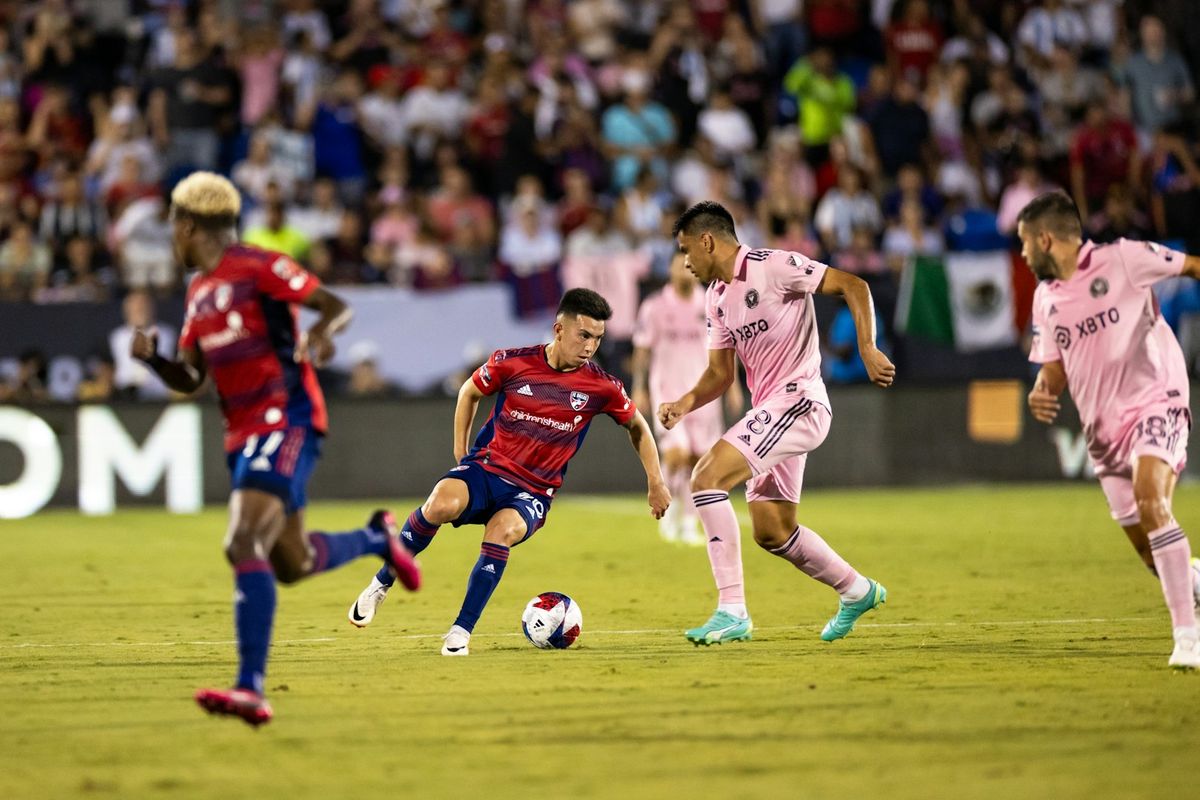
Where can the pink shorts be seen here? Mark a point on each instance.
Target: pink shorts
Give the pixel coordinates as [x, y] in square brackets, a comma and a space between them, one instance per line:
[776, 437]
[695, 433]
[1160, 431]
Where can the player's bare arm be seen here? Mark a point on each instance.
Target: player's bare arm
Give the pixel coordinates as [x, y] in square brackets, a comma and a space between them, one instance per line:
[1191, 266]
[862, 308]
[640, 366]
[716, 379]
[1043, 398]
[464, 417]
[316, 344]
[184, 375]
[642, 440]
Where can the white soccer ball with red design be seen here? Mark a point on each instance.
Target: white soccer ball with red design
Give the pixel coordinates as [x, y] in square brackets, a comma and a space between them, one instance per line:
[552, 621]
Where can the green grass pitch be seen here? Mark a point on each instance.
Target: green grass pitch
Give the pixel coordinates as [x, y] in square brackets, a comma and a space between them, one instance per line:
[1022, 654]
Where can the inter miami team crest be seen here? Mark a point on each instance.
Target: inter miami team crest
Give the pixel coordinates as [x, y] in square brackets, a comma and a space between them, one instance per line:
[578, 400]
[752, 298]
[1099, 287]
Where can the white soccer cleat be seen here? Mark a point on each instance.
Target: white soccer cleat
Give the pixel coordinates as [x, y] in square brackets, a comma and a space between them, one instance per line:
[668, 529]
[364, 608]
[1186, 654]
[455, 642]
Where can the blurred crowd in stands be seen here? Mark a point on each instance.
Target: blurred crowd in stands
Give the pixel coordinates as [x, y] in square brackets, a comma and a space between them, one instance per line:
[550, 143]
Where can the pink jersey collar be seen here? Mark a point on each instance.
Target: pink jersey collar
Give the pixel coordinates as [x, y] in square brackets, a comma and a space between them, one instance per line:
[1084, 260]
[739, 263]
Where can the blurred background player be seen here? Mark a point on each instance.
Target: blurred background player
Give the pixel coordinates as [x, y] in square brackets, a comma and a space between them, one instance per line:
[759, 303]
[1097, 328]
[241, 325]
[546, 397]
[670, 353]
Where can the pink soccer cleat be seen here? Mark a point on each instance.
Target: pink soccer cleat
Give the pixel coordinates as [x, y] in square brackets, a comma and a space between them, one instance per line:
[250, 706]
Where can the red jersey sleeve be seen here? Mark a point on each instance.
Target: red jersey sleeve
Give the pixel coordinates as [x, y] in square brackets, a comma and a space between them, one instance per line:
[489, 377]
[286, 280]
[619, 406]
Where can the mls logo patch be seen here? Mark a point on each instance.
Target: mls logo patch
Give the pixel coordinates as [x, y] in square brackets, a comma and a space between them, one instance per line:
[578, 400]
[752, 298]
[1099, 287]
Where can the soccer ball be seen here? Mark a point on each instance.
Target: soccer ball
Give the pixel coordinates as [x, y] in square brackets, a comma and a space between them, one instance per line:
[552, 621]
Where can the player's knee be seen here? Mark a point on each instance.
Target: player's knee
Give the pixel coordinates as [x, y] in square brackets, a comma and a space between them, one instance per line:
[441, 508]
[288, 571]
[508, 535]
[706, 479]
[1154, 510]
[771, 537]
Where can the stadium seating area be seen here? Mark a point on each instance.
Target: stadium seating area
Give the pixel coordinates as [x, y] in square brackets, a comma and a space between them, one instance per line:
[550, 143]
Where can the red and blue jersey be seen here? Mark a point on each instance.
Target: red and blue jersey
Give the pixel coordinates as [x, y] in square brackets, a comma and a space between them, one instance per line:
[242, 317]
[541, 415]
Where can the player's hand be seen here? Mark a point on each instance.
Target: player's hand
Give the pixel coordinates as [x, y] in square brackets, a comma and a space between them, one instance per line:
[314, 345]
[880, 368]
[145, 344]
[670, 413]
[1043, 405]
[659, 498]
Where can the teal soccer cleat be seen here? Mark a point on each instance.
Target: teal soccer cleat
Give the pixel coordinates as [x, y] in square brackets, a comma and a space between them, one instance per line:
[848, 613]
[721, 627]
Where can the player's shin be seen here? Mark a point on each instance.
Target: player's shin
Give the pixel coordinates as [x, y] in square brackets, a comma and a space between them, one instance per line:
[417, 534]
[724, 546]
[483, 581]
[253, 613]
[1172, 555]
[816, 559]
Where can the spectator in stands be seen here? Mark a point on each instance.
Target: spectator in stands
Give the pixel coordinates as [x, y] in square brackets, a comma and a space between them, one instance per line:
[1066, 89]
[24, 263]
[422, 263]
[277, 234]
[1160, 84]
[913, 42]
[464, 220]
[912, 186]
[365, 380]
[576, 202]
[1174, 188]
[727, 126]
[81, 275]
[99, 385]
[1028, 184]
[434, 111]
[321, 218]
[911, 235]
[862, 256]
[639, 211]
[29, 384]
[185, 101]
[1046, 24]
[840, 361]
[638, 132]
[530, 244]
[70, 214]
[132, 378]
[141, 239]
[1104, 151]
[120, 139]
[259, 63]
[337, 143]
[844, 208]
[57, 130]
[784, 38]
[128, 185]
[347, 252]
[825, 97]
[383, 115]
[900, 128]
[253, 174]
[1119, 218]
[946, 92]
[395, 226]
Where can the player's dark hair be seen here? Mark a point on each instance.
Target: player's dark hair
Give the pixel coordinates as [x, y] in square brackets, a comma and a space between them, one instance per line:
[1054, 212]
[706, 215]
[584, 303]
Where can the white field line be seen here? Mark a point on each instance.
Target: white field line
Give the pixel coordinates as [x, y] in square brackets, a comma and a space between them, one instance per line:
[1008, 623]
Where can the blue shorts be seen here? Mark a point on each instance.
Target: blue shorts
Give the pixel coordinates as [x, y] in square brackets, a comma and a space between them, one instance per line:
[488, 494]
[278, 463]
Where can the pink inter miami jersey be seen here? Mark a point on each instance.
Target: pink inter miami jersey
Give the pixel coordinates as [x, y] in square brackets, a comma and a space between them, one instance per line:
[1104, 325]
[672, 328]
[766, 314]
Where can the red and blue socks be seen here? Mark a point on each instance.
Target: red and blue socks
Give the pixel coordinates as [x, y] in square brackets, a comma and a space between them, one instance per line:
[483, 581]
[331, 550]
[417, 534]
[253, 613]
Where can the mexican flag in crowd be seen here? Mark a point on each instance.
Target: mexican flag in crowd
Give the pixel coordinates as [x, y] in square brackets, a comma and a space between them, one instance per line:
[968, 300]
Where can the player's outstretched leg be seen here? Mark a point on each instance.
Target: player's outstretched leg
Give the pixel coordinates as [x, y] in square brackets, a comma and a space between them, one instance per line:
[1172, 557]
[731, 621]
[484, 579]
[816, 559]
[378, 537]
[414, 537]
